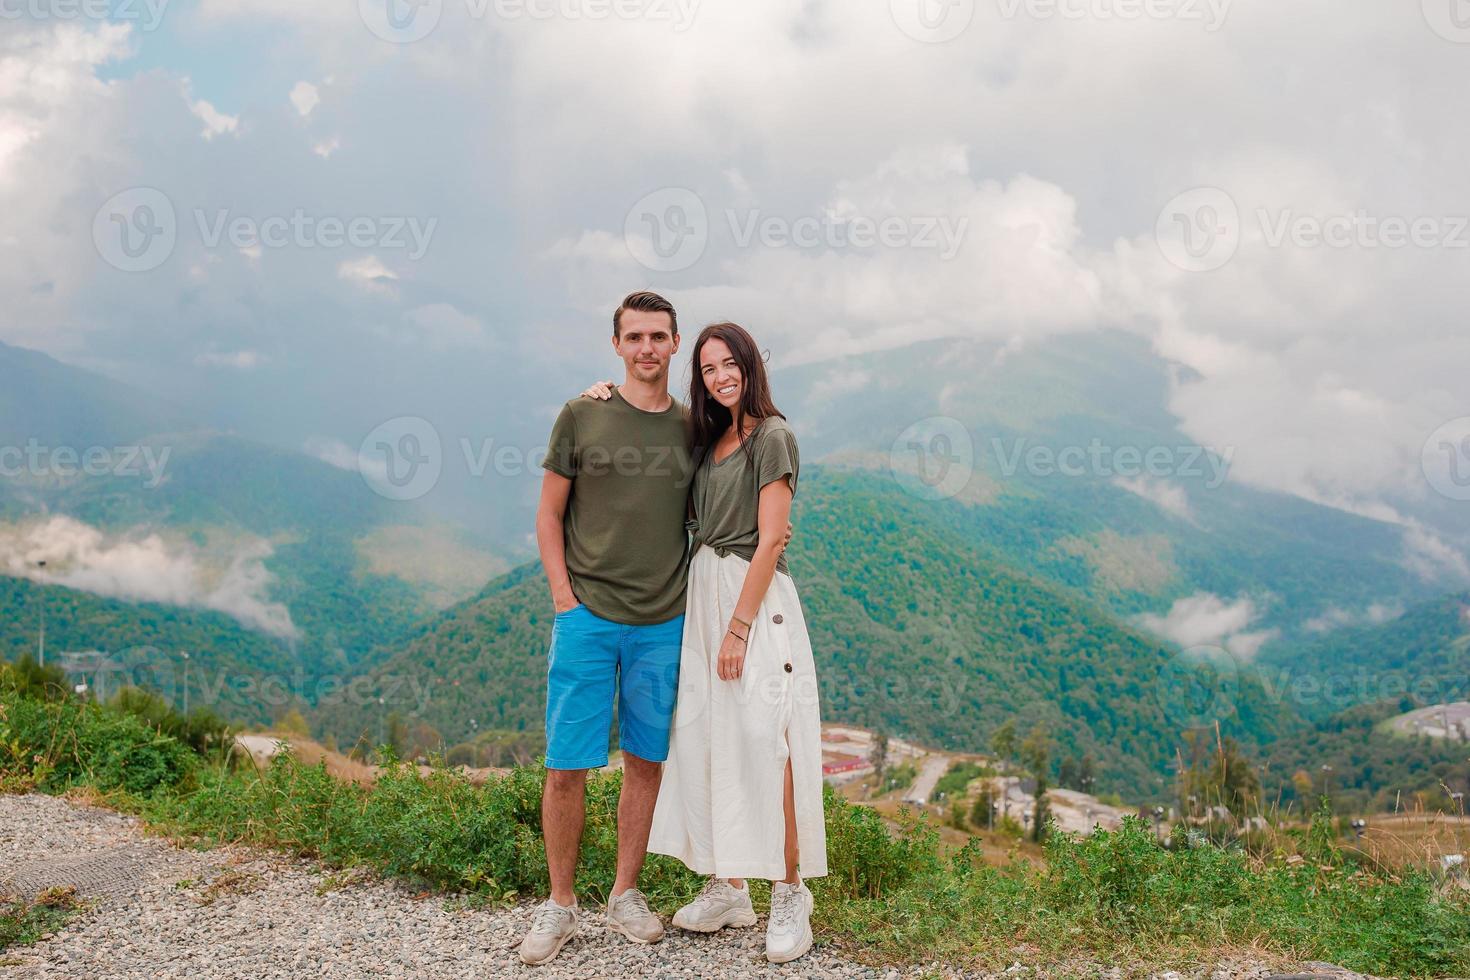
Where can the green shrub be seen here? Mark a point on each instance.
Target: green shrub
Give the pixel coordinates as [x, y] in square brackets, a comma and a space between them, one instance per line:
[201, 729]
[58, 744]
[1116, 896]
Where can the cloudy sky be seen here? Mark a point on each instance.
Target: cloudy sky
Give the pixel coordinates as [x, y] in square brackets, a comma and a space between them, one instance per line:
[310, 217]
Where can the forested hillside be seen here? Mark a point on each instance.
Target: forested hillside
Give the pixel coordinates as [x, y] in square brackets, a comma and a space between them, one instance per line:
[918, 632]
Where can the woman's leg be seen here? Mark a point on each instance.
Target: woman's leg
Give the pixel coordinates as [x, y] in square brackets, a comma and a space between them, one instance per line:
[793, 846]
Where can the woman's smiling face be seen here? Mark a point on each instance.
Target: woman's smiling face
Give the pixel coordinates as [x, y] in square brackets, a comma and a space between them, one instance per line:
[721, 374]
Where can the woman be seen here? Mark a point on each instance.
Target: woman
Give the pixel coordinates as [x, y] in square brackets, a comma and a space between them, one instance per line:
[741, 795]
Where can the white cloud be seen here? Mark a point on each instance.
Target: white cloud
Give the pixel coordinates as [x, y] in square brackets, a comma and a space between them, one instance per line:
[215, 122]
[242, 360]
[145, 567]
[305, 97]
[1205, 619]
[370, 273]
[1167, 496]
[1325, 368]
[1335, 617]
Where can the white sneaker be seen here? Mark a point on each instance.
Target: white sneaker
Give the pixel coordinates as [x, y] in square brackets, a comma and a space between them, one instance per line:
[550, 930]
[720, 904]
[630, 915]
[789, 931]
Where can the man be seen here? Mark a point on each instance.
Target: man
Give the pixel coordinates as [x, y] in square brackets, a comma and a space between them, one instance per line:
[610, 528]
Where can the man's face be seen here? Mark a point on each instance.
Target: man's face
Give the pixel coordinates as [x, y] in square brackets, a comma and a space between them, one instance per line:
[647, 344]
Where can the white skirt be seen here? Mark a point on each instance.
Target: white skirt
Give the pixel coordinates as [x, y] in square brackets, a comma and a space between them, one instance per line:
[720, 806]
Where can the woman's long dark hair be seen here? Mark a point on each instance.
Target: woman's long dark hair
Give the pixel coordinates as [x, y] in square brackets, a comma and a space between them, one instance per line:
[709, 418]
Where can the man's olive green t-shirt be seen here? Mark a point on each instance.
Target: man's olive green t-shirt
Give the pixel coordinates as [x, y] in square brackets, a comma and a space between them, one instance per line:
[727, 493]
[627, 549]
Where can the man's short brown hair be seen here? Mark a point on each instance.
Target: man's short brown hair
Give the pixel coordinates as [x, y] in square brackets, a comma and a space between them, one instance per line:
[646, 302]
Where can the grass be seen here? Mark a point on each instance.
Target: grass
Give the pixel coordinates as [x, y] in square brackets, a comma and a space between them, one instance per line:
[23, 923]
[892, 897]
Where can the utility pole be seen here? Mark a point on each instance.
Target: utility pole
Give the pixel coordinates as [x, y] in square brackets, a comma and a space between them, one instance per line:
[186, 683]
[41, 641]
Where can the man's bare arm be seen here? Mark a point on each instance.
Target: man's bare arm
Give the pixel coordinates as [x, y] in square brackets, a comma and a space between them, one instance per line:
[556, 490]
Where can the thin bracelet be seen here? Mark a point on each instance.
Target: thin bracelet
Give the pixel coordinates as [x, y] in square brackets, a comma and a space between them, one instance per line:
[742, 639]
[740, 621]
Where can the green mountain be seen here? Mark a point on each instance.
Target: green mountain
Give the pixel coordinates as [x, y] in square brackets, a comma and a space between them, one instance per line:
[243, 675]
[919, 630]
[1423, 654]
[354, 570]
[1371, 769]
[1056, 439]
[56, 404]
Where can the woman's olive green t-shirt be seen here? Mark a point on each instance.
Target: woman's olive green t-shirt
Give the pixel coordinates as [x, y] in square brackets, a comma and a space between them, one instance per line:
[727, 493]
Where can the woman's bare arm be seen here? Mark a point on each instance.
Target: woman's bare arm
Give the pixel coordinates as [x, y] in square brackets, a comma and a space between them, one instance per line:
[774, 516]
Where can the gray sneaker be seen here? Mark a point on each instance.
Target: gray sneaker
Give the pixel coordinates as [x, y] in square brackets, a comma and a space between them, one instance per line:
[630, 915]
[789, 932]
[550, 930]
[720, 904]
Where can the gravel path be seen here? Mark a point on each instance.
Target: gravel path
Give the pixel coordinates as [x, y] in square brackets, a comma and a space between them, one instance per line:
[244, 913]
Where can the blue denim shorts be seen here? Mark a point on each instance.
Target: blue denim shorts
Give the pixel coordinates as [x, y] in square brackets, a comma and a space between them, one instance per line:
[594, 659]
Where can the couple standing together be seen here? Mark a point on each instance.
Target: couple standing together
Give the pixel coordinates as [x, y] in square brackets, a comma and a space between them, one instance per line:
[701, 643]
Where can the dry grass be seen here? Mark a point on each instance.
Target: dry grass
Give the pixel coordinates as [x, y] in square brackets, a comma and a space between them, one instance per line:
[349, 770]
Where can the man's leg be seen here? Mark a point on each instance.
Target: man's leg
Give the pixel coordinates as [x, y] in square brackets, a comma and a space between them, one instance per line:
[563, 814]
[648, 687]
[581, 681]
[635, 816]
